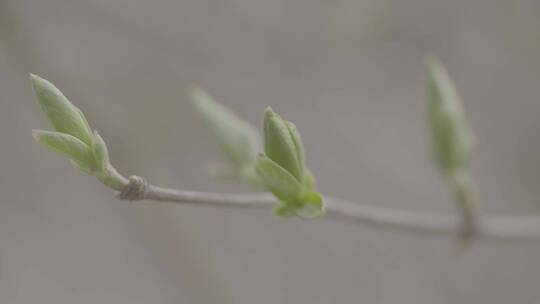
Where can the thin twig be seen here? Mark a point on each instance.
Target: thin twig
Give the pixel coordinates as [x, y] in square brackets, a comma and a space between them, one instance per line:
[488, 226]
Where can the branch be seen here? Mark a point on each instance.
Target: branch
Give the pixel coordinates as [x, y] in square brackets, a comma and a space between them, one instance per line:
[487, 227]
[282, 169]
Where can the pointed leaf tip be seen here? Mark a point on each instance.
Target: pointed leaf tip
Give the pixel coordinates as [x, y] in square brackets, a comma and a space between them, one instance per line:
[282, 170]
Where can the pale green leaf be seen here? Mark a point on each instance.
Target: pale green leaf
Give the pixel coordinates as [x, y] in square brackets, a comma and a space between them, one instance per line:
[277, 180]
[67, 145]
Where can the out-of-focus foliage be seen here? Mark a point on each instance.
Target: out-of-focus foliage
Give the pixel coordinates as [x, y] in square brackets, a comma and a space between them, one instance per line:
[238, 139]
[452, 138]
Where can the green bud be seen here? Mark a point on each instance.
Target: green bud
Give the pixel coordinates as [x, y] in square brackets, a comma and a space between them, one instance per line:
[282, 170]
[63, 115]
[283, 145]
[452, 138]
[101, 154]
[68, 145]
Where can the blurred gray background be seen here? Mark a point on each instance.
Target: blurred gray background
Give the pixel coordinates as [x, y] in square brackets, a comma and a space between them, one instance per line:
[349, 73]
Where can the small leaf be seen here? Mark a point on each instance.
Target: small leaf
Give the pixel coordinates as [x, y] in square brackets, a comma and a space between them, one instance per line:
[67, 145]
[238, 139]
[63, 115]
[452, 138]
[280, 146]
[277, 180]
[312, 205]
[101, 153]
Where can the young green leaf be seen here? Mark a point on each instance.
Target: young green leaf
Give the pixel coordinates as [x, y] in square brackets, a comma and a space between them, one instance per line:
[278, 180]
[63, 115]
[67, 145]
[101, 153]
[452, 138]
[281, 145]
[238, 139]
